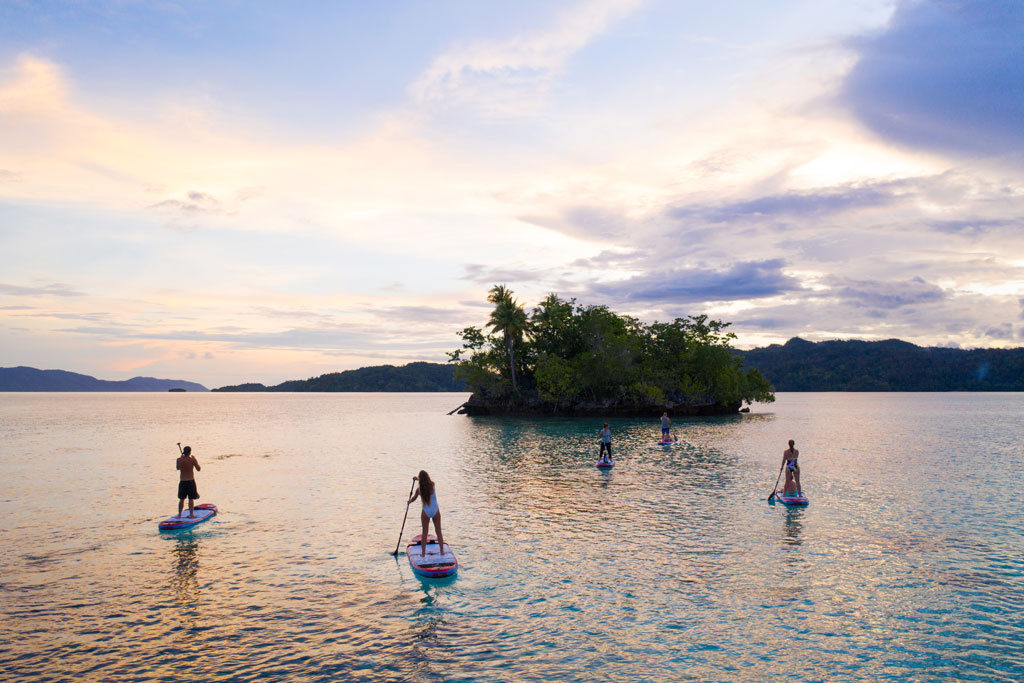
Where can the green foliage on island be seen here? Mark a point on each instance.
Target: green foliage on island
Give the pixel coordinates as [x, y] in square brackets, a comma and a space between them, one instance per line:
[565, 358]
[414, 377]
[890, 365]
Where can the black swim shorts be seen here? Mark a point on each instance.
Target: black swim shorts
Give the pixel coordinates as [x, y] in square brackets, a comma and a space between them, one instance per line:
[187, 489]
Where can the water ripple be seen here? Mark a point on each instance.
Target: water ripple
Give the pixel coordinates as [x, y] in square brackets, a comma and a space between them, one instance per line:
[672, 566]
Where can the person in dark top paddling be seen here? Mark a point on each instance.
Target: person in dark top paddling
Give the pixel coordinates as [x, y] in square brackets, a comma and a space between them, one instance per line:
[187, 465]
[789, 461]
[431, 512]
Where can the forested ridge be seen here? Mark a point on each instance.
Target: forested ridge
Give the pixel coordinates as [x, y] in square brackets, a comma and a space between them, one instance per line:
[411, 377]
[798, 365]
[23, 378]
[890, 365]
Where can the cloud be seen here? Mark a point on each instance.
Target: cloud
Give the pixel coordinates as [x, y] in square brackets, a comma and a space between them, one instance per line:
[34, 91]
[194, 202]
[510, 77]
[52, 289]
[269, 312]
[976, 226]
[88, 317]
[885, 295]
[488, 275]
[1002, 331]
[393, 328]
[764, 322]
[613, 259]
[417, 315]
[805, 204]
[745, 280]
[325, 339]
[964, 320]
[946, 75]
[189, 161]
[589, 222]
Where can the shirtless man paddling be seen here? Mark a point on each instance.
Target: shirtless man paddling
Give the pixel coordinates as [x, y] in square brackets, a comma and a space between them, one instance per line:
[187, 484]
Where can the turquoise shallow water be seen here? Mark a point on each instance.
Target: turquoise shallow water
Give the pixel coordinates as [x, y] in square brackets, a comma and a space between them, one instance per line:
[907, 565]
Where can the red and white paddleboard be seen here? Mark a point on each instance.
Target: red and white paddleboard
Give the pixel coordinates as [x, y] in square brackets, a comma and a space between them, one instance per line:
[437, 563]
[606, 464]
[794, 499]
[183, 521]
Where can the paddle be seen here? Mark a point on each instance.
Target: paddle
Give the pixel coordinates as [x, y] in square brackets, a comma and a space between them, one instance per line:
[407, 504]
[179, 449]
[775, 488]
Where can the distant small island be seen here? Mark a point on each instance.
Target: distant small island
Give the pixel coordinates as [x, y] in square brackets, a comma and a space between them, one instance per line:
[24, 378]
[568, 359]
[413, 377]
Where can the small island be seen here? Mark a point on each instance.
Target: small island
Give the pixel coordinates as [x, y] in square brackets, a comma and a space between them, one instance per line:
[571, 360]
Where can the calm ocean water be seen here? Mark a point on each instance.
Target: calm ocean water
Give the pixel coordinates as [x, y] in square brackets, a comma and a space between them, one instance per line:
[907, 565]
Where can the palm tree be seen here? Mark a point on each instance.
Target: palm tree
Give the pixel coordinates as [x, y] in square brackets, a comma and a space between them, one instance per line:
[508, 318]
[499, 293]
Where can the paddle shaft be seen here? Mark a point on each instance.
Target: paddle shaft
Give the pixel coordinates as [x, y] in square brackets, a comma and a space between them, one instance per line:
[407, 504]
[776, 487]
[179, 449]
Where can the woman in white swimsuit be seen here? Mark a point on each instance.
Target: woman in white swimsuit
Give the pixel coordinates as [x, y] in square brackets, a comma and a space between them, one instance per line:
[606, 443]
[430, 512]
[789, 461]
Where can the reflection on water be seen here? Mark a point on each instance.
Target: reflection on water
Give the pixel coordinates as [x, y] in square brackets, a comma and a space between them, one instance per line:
[793, 526]
[185, 575]
[669, 567]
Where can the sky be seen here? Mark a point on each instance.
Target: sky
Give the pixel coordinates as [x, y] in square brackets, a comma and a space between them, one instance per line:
[232, 191]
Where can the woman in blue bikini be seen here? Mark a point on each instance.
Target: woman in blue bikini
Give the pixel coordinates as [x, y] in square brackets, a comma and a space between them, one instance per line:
[789, 461]
[430, 512]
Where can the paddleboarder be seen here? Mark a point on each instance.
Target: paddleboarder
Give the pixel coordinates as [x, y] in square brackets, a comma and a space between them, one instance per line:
[431, 512]
[666, 428]
[187, 465]
[606, 443]
[792, 467]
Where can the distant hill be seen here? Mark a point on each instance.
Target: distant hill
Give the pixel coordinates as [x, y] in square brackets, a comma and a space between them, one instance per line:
[30, 379]
[411, 377]
[797, 365]
[890, 365]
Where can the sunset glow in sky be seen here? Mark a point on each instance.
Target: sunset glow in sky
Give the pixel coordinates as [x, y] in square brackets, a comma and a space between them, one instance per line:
[245, 191]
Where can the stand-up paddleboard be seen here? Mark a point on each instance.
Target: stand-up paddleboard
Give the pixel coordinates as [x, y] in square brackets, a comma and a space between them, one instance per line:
[435, 564]
[183, 521]
[666, 443]
[795, 499]
[606, 464]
